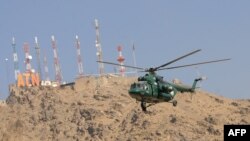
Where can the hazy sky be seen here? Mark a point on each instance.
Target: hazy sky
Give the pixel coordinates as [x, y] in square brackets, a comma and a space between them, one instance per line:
[160, 29]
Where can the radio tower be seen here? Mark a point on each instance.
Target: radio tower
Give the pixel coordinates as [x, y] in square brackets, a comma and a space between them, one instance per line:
[79, 59]
[46, 69]
[133, 48]
[28, 57]
[56, 62]
[121, 59]
[98, 47]
[15, 58]
[38, 57]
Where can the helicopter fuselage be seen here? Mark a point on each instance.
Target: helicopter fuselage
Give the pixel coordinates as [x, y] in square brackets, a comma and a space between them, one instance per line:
[151, 88]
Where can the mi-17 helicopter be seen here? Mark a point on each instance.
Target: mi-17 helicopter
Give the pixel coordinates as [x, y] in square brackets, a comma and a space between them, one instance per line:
[152, 89]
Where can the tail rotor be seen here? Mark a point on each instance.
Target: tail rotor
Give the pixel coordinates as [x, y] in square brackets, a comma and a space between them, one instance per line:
[201, 77]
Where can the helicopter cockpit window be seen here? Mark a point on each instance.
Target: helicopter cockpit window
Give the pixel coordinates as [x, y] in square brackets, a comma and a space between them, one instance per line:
[133, 86]
[141, 85]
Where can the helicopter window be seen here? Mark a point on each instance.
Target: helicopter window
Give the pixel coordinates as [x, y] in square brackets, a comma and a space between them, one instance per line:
[133, 85]
[142, 86]
[139, 85]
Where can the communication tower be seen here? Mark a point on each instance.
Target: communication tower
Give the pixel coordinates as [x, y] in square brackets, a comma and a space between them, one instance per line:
[15, 58]
[98, 47]
[46, 69]
[79, 59]
[134, 59]
[58, 74]
[38, 57]
[121, 59]
[28, 57]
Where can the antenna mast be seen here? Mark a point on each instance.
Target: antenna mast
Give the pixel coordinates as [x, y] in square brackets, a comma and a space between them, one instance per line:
[46, 69]
[133, 48]
[38, 57]
[121, 59]
[56, 61]
[79, 59]
[28, 57]
[98, 47]
[15, 58]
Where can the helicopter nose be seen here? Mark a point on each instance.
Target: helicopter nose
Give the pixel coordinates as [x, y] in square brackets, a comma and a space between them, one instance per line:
[136, 96]
[135, 93]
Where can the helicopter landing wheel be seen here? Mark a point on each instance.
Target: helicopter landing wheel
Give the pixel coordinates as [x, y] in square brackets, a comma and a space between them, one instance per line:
[174, 103]
[143, 106]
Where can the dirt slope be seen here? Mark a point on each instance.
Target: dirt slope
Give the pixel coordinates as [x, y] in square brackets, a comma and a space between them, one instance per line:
[101, 109]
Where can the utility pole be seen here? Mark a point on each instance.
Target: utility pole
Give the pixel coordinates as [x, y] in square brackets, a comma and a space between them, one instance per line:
[99, 48]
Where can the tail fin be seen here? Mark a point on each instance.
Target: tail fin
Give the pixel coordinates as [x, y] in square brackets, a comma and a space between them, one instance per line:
[195, 82]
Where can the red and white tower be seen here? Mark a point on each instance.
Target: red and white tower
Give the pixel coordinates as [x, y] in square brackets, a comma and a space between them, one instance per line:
[28, 57]
[79, 58]
[58, 73]
[121, 59]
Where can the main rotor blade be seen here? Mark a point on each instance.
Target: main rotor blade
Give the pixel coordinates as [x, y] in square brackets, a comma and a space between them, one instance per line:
[195, 64]
[105, 62]
[177, 59]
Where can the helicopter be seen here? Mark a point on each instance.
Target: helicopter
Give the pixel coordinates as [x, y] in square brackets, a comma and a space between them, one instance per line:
[152, 89]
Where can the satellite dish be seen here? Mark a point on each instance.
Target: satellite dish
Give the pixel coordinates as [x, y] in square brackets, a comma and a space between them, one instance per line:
[33, 70]
[30, 57]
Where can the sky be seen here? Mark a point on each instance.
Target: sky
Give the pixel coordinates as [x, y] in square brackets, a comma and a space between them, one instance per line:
[161, 31]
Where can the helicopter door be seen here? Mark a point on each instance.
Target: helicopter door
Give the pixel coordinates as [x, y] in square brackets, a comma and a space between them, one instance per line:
[154, 87]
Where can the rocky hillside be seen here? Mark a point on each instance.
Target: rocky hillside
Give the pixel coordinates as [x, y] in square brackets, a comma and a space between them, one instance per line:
[101, 109]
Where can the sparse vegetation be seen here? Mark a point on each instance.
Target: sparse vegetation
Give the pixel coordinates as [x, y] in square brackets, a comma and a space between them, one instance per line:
[219, 100]
[82, 114]
[234, 104]
[211, 120]
[173, 118]
[213, 131]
